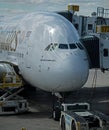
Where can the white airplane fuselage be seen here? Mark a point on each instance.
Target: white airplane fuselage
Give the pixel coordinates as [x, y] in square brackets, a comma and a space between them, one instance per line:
[46, 49]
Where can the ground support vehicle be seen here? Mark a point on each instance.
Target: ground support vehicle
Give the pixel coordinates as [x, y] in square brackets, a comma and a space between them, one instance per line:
[82, 119]
[68, 107]
[13, 106]
[10, 86]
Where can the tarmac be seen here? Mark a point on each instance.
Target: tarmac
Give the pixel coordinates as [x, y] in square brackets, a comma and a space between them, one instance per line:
[95, 91]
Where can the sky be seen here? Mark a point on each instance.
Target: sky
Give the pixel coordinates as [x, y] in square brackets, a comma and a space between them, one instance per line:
[20, 6]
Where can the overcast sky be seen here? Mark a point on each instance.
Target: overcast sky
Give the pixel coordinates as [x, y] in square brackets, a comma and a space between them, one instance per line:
[19, 6]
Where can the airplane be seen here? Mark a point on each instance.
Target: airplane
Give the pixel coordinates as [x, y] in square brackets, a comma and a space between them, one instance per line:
[46, 48]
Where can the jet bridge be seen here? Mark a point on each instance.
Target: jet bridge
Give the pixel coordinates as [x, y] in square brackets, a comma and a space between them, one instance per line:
[97, 47]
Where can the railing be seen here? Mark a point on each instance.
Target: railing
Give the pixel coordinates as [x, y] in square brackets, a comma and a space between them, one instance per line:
[101, 12]
[10, 80]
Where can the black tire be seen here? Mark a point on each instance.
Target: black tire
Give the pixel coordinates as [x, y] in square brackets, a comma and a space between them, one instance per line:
[63, 123]
[73, 126]
[56, 114]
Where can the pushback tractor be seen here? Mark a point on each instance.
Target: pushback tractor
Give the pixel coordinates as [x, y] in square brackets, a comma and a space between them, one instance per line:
[81, 118]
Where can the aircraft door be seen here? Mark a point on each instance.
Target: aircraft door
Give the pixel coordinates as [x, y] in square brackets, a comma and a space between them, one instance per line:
[104, 53]
[28, 52]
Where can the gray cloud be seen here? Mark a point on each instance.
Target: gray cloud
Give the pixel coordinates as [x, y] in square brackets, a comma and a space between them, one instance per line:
[86, 6]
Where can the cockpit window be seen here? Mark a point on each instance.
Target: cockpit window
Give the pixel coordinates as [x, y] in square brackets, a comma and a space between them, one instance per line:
[80, 46]
[53, 46]
[63, 46]
[72, 46]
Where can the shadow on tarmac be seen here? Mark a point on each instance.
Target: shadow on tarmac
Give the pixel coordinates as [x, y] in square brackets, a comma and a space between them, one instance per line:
[41, 101]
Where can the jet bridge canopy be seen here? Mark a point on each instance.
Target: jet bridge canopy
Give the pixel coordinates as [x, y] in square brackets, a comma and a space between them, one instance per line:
[91, 43]
[97, 46]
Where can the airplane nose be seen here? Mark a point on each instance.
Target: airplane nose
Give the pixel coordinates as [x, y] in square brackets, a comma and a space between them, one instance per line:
[76, 72]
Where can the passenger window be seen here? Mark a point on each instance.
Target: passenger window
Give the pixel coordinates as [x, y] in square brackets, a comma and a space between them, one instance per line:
[72, 46]
[63, 46]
